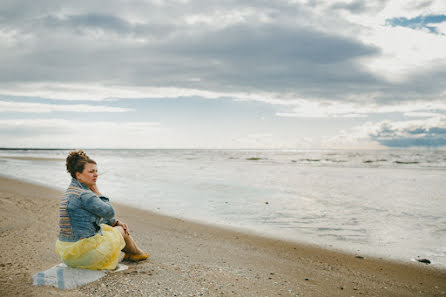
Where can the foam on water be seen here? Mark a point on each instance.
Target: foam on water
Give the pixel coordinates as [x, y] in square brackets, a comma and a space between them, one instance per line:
[389, 203]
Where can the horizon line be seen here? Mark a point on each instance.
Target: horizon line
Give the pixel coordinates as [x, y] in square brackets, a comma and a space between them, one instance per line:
[189, 148]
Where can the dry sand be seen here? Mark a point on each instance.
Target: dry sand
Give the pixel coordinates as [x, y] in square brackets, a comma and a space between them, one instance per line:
[190, 259]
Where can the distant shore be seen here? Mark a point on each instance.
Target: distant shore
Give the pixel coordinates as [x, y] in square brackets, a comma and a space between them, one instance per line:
[32, 158]
[191, 259]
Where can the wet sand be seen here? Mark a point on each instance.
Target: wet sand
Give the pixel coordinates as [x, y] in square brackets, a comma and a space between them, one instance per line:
[191, 259]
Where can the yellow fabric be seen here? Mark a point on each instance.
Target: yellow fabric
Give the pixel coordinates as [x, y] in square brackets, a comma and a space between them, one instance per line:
[97, 252]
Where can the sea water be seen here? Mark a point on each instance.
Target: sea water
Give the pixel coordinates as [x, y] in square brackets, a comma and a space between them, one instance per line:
[385, 203]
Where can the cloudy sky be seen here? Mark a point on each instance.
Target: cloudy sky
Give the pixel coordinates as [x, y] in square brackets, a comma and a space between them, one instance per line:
[223, 74]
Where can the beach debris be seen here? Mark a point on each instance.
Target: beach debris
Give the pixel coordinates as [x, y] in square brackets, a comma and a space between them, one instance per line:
[266, 202]
[307, 279]
[253, 159]
[424, 260]
[66, 278]
[341, 288]
[359, 257]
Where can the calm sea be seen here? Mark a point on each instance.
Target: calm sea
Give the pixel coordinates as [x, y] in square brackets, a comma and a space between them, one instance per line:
[386, 203]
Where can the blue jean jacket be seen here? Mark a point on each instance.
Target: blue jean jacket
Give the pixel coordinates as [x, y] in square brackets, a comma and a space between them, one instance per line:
[82, 212]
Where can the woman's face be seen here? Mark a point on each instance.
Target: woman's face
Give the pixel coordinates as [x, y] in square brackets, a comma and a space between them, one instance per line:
[89, 175]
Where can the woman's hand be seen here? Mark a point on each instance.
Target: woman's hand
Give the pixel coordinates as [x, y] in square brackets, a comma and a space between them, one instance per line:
[124, 226]
[94, 189]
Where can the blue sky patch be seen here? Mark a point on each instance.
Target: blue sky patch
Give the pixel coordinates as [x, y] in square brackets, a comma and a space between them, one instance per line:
[418, 22]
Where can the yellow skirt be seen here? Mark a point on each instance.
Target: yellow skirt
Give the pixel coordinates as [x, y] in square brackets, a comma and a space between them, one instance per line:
[97, 252]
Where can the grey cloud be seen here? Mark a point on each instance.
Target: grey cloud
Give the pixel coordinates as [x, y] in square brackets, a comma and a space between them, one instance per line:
[420, 5]
[286, 54]
[275, 44]
[354, 7]
[410, 136]
[92, 20]
[359, 6]
[425, 85]
[273, 58]
[76, 24]
[427, 141]
[432, 131]
[242, 57]
[437, 130]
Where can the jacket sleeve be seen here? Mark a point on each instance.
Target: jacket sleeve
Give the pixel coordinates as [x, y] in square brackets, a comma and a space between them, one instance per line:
[97, 206]
[107, 221]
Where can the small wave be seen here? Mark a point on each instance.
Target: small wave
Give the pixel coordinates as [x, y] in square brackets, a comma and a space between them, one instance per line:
[373, 161]
[406, 162]
[335, 161]
[329, 229]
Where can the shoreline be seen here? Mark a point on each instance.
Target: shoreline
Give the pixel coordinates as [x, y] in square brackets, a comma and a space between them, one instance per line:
[258, 232]
[245, 231]
[188, 257]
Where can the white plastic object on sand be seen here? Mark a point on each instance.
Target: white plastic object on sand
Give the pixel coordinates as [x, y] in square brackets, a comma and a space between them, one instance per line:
[63, 277]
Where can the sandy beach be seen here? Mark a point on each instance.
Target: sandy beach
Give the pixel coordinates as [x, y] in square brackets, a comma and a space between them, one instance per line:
[190, 259]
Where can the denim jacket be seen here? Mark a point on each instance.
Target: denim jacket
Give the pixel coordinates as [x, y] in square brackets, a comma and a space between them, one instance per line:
[82, 211]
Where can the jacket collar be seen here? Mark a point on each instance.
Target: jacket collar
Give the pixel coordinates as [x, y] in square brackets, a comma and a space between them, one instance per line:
[78, 184]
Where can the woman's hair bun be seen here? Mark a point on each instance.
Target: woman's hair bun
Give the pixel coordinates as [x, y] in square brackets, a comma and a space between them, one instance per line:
[76, 161]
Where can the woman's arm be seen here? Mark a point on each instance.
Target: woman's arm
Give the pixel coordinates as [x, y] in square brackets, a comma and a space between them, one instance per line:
[112, 221]
[98, 206]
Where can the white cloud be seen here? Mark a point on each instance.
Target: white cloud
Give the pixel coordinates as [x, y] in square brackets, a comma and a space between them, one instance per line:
[67, 133]
[11, 38]
[223, 18]
[405, 51]
[323, 109]
[441, 27]
[416, 114]
[348, 140]
[9, 106]
[402, 128]
[76, 125]
[422, 132]
[100, 92]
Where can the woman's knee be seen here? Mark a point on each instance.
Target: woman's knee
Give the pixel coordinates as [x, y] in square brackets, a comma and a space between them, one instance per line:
[121, 230]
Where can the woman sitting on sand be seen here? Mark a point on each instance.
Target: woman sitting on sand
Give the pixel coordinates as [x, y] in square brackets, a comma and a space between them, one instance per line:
[90, 236]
